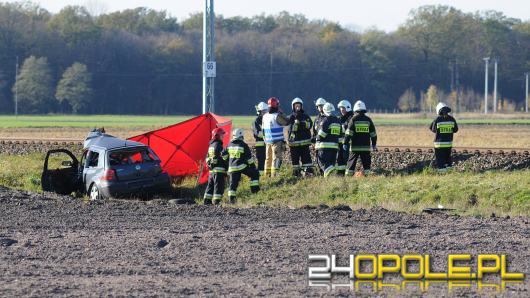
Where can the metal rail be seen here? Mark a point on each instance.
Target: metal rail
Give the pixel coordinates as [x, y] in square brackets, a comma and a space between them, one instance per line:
[382, 148]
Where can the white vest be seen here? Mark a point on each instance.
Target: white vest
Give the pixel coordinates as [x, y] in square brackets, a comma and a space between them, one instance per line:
[272, 130]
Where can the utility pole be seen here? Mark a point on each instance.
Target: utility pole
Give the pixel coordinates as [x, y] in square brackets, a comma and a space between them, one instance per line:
[16, 88]
[486, 60]
[495, 89]
[526, 94]
[208, 57]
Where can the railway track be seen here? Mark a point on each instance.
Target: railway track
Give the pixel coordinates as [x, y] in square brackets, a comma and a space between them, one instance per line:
[381, 148]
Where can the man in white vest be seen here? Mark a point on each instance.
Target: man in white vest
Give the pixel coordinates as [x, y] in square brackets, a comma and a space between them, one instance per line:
[273, 123]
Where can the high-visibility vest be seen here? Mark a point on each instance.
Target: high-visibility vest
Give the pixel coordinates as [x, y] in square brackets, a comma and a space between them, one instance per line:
[273, 131]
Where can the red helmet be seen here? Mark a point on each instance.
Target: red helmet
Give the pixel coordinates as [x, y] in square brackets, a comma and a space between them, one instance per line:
[217, 133]
[273, 102]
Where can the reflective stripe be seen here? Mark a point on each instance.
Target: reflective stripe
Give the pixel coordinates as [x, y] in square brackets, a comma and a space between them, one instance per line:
[254, 183]
[340, 168]
[326, 145]
[443, 144]
[216, 196]
[328, 170]
[322, 133]
[238, 168]
[218, 170]
[300, 143]
[296, 166]
[349, 172]
[359, 148]
[259, 144]
[208, 196]
[232, 193]
[373, 134]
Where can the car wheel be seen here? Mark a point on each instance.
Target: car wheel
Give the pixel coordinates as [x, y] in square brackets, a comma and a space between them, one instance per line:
[94, 193]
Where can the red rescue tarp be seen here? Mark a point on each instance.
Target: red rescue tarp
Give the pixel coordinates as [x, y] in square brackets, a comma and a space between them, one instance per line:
[182, 147]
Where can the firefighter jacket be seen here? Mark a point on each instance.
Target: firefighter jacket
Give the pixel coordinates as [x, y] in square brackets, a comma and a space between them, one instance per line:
[215, 161]
[444, 127]
[258, 131]
[316, 124]
[239, 156]
[329, 133]
[300, 125]
[360, 131]
[344, 119]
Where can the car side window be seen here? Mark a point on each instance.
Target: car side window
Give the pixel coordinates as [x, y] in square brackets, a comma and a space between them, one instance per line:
[93, 159]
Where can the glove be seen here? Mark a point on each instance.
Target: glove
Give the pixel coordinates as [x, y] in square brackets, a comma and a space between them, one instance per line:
[345, 147]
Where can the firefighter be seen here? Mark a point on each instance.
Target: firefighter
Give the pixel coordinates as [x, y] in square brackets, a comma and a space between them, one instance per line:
[261, 109]
[300, 125]
[345, 116]
[217, 166]
[444, 126]
[240, 161]
[319, 104]
[358, 136]
[272, 124]
[327, 140]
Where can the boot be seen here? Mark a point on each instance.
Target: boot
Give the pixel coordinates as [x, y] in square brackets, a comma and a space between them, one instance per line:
[207, 201]
[217, 202]
[232, 199]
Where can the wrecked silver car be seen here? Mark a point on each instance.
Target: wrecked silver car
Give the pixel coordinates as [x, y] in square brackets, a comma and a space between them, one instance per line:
[109, 167]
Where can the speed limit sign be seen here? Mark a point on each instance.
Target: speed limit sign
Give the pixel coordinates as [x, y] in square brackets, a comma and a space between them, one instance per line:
[209, 69]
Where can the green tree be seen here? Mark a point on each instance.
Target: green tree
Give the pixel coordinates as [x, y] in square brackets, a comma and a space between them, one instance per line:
[407, 101]
[75, 87]
[75, 25]
[34, 84]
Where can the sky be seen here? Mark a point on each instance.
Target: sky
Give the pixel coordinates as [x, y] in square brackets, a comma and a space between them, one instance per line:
[353, 14]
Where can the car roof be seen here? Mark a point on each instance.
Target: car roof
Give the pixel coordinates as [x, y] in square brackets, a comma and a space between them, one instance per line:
[109, 142]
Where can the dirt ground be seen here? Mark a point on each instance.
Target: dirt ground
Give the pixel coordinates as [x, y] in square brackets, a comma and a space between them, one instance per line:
[55, 245]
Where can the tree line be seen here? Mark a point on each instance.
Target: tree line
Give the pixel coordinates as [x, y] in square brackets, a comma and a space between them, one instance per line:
[142, 61]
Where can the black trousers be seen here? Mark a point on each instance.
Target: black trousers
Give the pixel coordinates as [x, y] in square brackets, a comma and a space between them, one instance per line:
[235, 178]
[326, 159]
[216, 186]
[366, 160]
[342, 160]
[301, 159]
[260, 156]
[443, 157]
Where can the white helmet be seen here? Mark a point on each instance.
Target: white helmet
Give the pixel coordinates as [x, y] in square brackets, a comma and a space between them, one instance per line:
[320, 102]
[344, 104]
[237, 134]
[262, 107]
[359, 106]
[440, 106]
[328, 109]
[297, 100]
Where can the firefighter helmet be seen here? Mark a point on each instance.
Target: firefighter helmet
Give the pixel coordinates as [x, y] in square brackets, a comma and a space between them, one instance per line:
[344, 104]
[441, 106]
[237, 134]
[217, 133]
[273, 102]
[328, 109]
[320, 102]
[359, 106]
[297, 100]
[261, 107]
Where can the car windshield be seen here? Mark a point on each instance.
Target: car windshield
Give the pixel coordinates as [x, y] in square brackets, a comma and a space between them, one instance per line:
[134, 156]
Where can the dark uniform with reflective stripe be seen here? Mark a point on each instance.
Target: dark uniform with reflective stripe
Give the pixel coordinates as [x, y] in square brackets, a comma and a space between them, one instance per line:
[342, 157]
[316, 126]
[327, 144]
[300, 125]
[240, 162]
[216, 178]
[260, 144]
[444, 126]
[359, 134]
